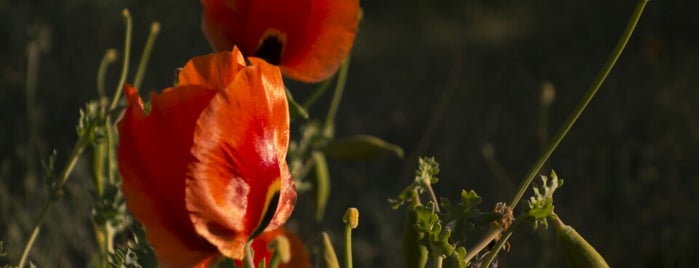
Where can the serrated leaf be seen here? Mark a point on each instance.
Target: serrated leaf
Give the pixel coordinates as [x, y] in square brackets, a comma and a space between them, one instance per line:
[415, 255]
[427, 170]
[457, 259]
[361, 147]
[540, 205]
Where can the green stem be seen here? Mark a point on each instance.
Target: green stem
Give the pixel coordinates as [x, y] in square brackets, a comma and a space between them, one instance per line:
[248, 259]
[318, 92]
[438, 262]
[577, 111]
[348, 245]
[633, 21]
[111, 144]
[329, 127]
[503, 239]
[32, 237]
[491, 235]
[125, 68]
[109, 57]
[143, 63]
[494, 252]
[55, 189]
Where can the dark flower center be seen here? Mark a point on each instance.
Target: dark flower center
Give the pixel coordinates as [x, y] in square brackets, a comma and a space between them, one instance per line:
[271, 50]
[267, 218]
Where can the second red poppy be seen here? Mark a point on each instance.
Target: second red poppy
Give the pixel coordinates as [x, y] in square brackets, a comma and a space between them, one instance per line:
[308, 39]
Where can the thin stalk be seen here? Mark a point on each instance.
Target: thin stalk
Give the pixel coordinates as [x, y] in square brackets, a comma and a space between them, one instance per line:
[32, 237]
[111, 143]
[348, 246]
[248, 259]
[125, 68]
[570, 121]
[329, 127]
[578, 110]
[108, 58]
[143, 63]
[491, 256]
[503, 239]
[56, 187]
[492, 234]
[318, 92]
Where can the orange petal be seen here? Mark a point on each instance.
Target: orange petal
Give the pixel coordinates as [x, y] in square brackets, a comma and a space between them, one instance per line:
[240, 147]
[315, 35]
[153, 155]
[212, 70]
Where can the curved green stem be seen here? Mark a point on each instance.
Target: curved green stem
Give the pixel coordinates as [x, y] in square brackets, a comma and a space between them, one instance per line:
[577, 111]
[125, 67]
[329, 127]
[109, 57]
[143, 63]
[318, 92]
[55, 189]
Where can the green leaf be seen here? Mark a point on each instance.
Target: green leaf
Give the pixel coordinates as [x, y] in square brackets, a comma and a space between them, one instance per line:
[295, 109]
[427, 170]
[457, 259]
[540, 205]
[425, 174]
[361, 147]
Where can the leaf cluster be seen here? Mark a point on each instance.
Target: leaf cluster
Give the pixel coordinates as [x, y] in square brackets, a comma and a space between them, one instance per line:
[540, 206]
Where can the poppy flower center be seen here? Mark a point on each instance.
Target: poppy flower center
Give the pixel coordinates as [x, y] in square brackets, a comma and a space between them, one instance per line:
[267, 218]
[271, 47]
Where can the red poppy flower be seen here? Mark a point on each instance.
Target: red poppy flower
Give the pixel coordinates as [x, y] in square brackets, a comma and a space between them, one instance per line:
[299, 255]
[309, 39]
[205, 169]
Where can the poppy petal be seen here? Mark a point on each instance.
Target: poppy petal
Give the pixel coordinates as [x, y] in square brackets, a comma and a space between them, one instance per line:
[311, 37]
[212, 70]
[240, 146]
[153, 154]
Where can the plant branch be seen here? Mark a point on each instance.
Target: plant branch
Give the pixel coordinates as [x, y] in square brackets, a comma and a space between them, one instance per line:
[578, 110]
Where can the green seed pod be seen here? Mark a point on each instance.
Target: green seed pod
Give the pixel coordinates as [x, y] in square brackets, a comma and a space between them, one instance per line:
[321, 184]
[414, 254]
[577, 252]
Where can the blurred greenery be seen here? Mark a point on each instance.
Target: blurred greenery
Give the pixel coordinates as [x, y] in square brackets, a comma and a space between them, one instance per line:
[457, 80]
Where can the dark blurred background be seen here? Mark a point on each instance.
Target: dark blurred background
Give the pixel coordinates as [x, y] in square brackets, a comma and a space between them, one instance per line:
[449, 79]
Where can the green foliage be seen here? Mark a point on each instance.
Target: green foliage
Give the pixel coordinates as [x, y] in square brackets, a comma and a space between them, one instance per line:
[425, 176]
[540, 205]
[136, 252]
[414, 255]
[124, 258]
[434, 232]
[464, 217]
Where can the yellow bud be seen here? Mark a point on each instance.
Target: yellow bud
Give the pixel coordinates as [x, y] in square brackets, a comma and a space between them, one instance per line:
[351, 217]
